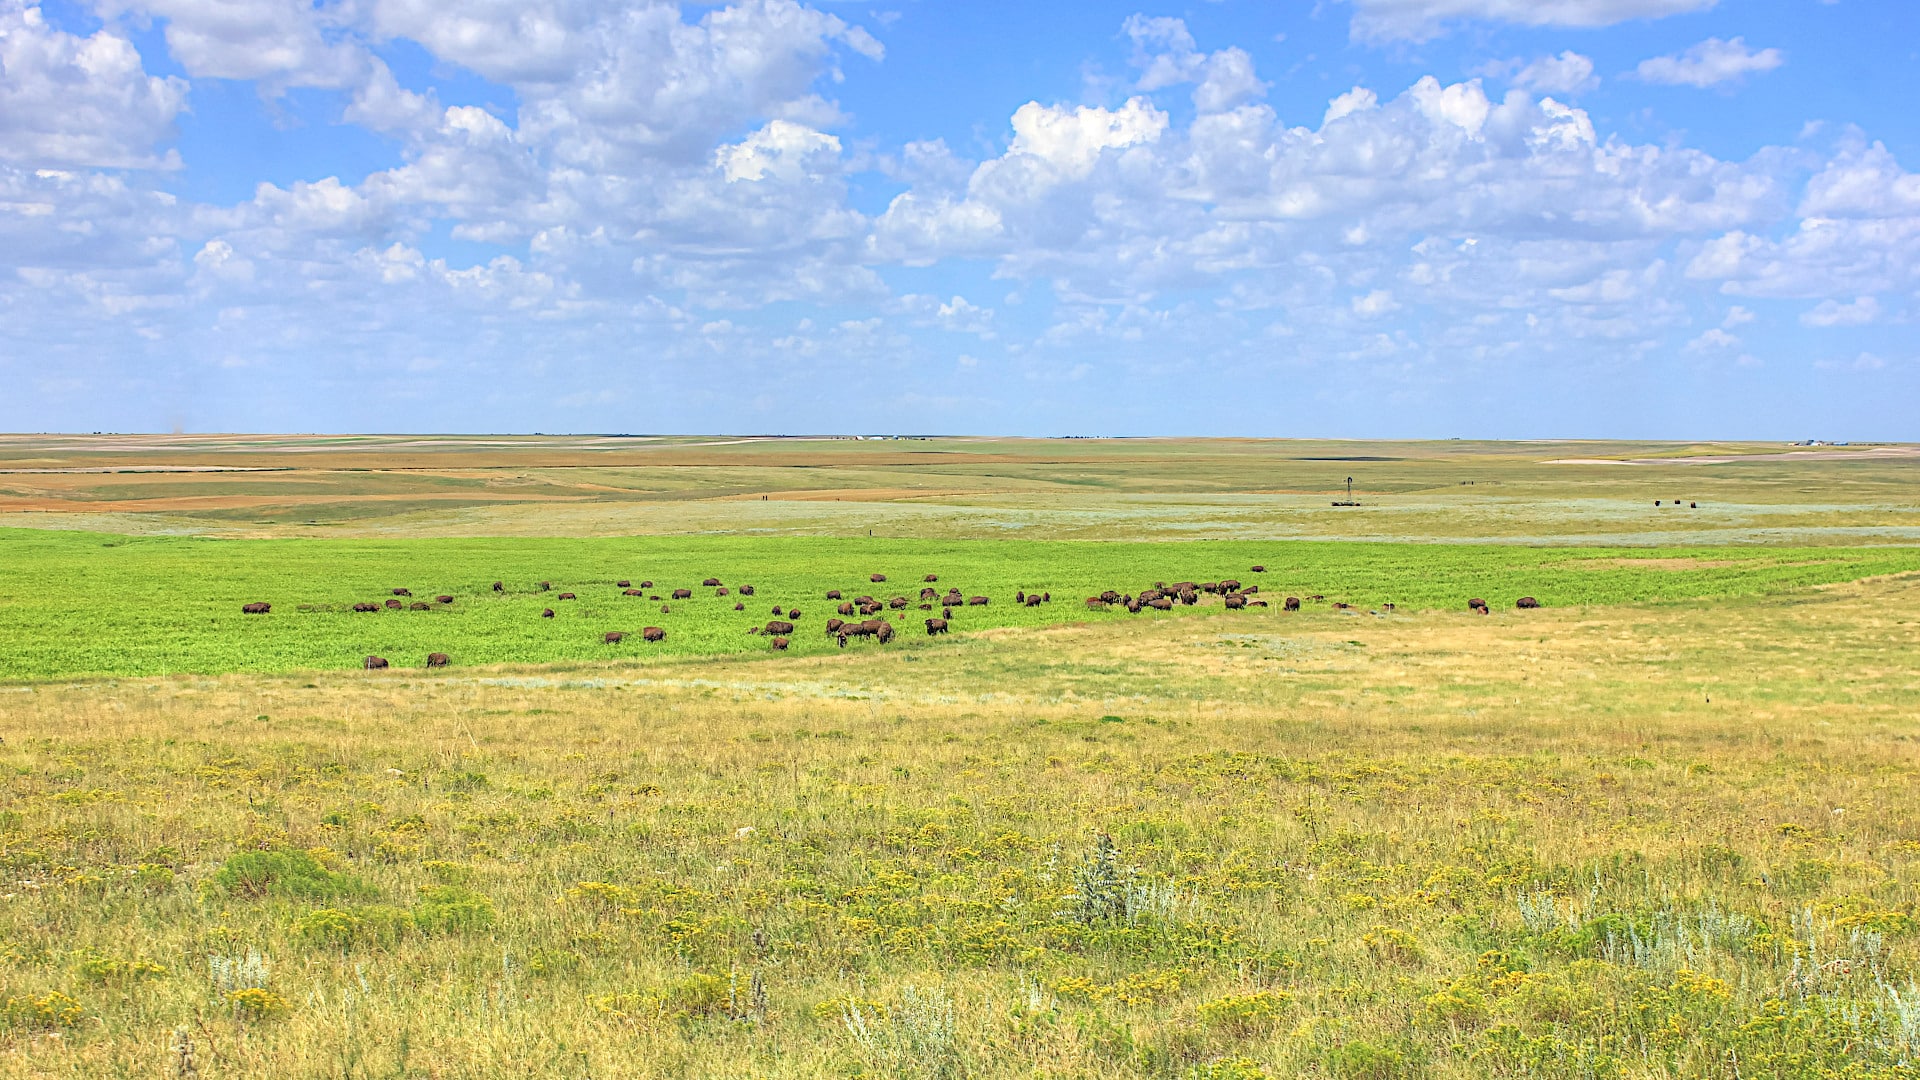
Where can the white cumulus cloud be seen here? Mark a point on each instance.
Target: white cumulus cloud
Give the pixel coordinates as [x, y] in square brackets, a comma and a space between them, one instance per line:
[1859, 312]
[72, 101]
[1419, 20]
[1709, 63]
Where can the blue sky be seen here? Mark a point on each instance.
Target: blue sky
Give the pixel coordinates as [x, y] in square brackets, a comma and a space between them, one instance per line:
[1366, 218]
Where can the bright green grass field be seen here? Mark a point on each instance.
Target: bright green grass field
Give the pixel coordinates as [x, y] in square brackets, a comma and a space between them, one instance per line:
[91, 604]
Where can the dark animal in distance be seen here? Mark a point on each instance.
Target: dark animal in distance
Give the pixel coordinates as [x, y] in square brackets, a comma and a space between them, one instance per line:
[793, 613]
[653, 633]
[499, 586]
[739, 607]
[366, 607]
[834, 625]
[845, 609]
[1292, 604]
[1476, 604]
[373, 663]
[1259, 569]
[395, 605]
[420, 605]
[931, 577]
[623, 584]
[1526, 602]
[683, 594]
[876, 578]
[936, 626]
[546, 613]
[1235, 601]
[977, 601]
[255, 608]
[443, 599]
[665, 610]
[711, 582]
[566, 596]
[746, 590]
[438, 659]
[721, 591]
[402, 592]
[779, 643]
[631, 592]
[897, 603]
[776, 626]
[1020, 596]
[646, 585]
[928, 594]
[612, 637]
[833, 594]
[546, 586]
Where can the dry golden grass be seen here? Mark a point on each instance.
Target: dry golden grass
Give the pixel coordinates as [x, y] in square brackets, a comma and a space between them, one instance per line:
[1366, 847]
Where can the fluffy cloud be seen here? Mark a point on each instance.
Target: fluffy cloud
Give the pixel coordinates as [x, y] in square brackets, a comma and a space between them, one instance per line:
[1419, 20]
[68, 101]
[1860, 312]
[1567, 74]
[1709, 63]
[281, 43]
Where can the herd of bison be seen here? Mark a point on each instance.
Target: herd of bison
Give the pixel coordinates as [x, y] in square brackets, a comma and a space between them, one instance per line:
[865, 617]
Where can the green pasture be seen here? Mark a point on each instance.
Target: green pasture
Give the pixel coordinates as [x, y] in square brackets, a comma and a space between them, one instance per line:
[87, 604]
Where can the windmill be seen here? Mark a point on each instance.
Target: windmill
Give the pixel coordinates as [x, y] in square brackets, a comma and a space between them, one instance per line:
[1349, 500]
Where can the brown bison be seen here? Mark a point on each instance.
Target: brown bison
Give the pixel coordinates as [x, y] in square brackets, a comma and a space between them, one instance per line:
[631, 592]
[739, 607]
[1160, 603]
[1526, 602]
[793, 613]
[746, 590]
[665, 610]
[395, 605]
[373, 663]
[778, 610]
[1033, 599]
[443, 599]
[255, 608]
[683, 594]
[833, 594]
[546, 586]
[776, 626]
[566, 596]
[613, 637]
[653, 633]
[1096, 603]
[1235, 601]
[876, 578]
[1020, 596]
[1476, 604]
[402, 592]
[1230, 585]
[929, 594]
[931, 577]
[845, 609]
[946, 613]
[499, 586]
[623, 584]
[419, 605]
[711, 582]
[721, 591]
[546, 613]
[897, 603]
[834, 625]
[1258, 569]
[885, 633]
[1292, 604]
[645, 585]
[438, 659]
[366, 607]
[977, 601]
[936, 626]
[779, 644]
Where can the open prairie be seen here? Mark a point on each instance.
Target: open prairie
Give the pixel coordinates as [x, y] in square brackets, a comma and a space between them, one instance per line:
[1667, 825]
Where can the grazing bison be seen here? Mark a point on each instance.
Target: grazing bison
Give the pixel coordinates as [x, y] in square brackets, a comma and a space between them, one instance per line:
[779, 643]
[977, 601]
[420, 605]
[1033, 599]
[366, 607]
[443, 599]
[566, 596]
[1235, 601]
[395, 605]
[946, 613]
[897, 603]
[1388, 606]
[623, 584]
[1476, 604]
[833, 594]
[1341, 606]
[1020, 596]
[546, 613]
[876, 578]
[793, 613]
[845, 609]
[834, 625]
[1160, 603]
[721, 591]
[1257, 569]
[546, 586]
[1526, 602]
[402, 592]
[777, 626]
[665, 610]
[929, 594]
[1230, 585]
[373, 663]
[612, 637]
[711, 582]
[1292, 604]
[931, 577]
[499, 586]
[646, 585]
[936, 626]
[683, 594]
[255, 608]
[438, 659]
[1133, 606]
[739, 607]
[631, 592]
[884, 634]
[653, 633]
[1096, 604]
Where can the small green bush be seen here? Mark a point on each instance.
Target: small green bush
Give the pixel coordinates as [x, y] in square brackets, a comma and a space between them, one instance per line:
[287, 873]
[451, 909]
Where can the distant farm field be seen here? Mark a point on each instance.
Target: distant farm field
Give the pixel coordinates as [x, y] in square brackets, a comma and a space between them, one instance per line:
[76, 604]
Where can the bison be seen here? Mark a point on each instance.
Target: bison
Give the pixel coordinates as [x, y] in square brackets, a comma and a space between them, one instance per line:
[876, 578]
[665, 609]
[710, 582]
[897, 603]
[443, 599]
[683, 594]
[546, 613]
[546, 586]
[402, 592]
[739, 607]
[777, 626]
[646, 585]
[623, 584]
[438, 659]
[653, 633]
[1159, 603]
[793, 613]
[779, 644]
[373, 663]
[420, 605]
[1096, 603]
[395, 605]
[255, 608]
[499, 586]
[1258, 569]
[834, 625]
[1020, 596]
[931, 577]
[885, 633]
[1292, 604]
[746, 590]
[833, 594]
[566, 596]
[721, 591]
[977, 601]
[613, 637]
[631, 592]
[1476, 604]
[1526, 602]
[936, 626]
[366, 607]
[929, 594]
[845, 609]
[1235, 601]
